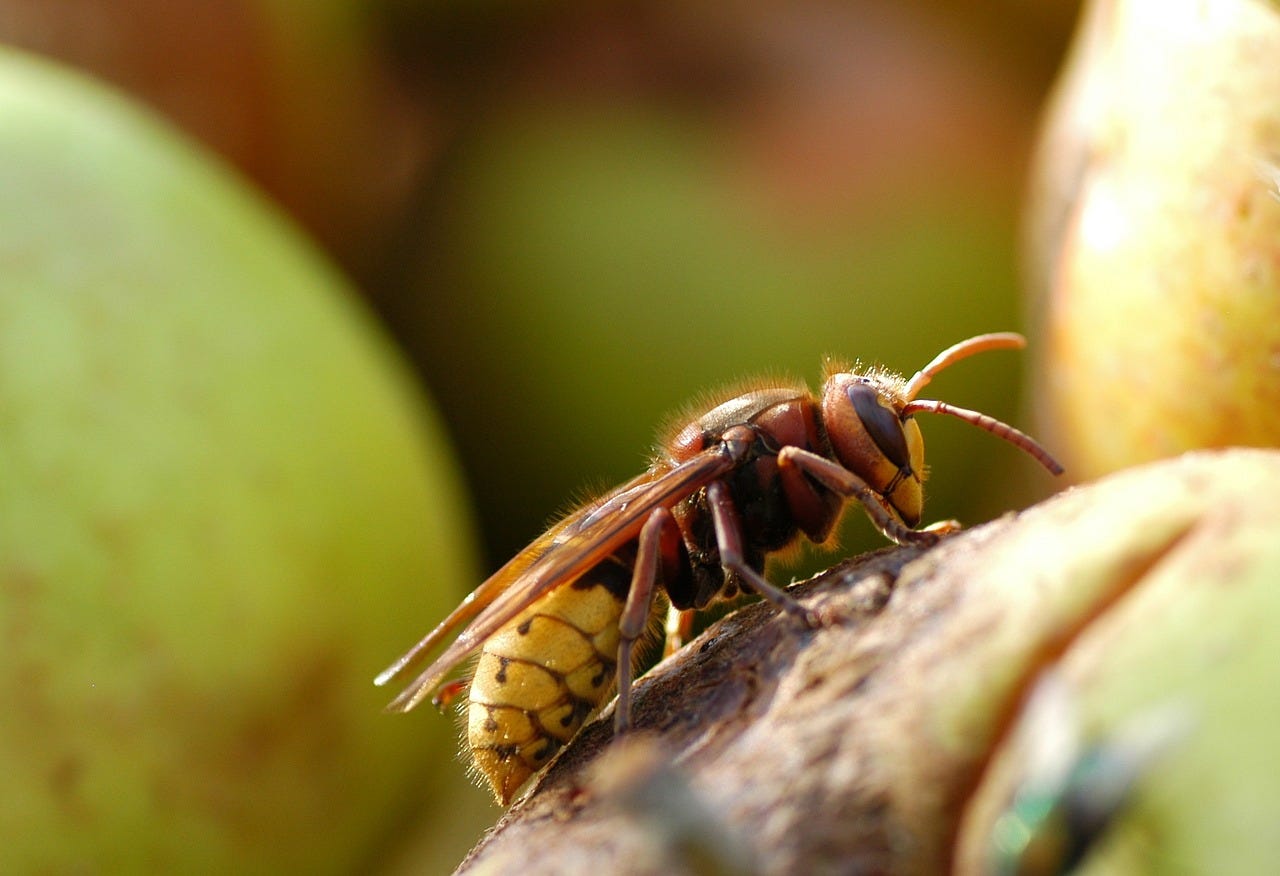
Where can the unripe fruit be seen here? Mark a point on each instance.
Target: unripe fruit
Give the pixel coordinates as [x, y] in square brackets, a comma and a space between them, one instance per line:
[222, 508]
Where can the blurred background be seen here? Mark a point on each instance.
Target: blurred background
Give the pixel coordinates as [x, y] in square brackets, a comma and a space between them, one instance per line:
[574, 217]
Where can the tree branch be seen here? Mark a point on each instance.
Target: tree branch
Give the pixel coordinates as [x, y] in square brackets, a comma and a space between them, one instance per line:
[768, 747]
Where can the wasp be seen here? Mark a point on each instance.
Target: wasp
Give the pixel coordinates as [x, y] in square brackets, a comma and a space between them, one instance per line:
[556, 627]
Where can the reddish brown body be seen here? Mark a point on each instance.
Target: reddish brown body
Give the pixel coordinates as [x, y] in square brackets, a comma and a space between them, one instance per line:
[743, 480]
[774, 505]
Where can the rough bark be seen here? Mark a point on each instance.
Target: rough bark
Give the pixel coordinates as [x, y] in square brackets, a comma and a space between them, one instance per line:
[768, 747]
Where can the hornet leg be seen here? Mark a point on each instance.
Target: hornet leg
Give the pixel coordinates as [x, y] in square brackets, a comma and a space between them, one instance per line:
[635, 613]
[839, 479]
[729, 538]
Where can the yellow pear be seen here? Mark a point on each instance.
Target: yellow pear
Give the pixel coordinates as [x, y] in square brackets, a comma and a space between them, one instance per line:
[1154, 250]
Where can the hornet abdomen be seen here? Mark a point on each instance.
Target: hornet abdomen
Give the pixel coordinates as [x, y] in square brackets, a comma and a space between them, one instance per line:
[543, 674]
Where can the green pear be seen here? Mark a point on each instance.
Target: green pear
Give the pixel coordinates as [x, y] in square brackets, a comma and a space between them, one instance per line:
[223, 508]
[1154, 252]
[576, 231]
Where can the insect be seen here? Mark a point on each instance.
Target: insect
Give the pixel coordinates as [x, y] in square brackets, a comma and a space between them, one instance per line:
[1071, 791]
[557, 625]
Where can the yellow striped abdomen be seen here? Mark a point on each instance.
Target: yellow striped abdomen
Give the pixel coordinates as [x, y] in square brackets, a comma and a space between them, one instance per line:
[542, 675]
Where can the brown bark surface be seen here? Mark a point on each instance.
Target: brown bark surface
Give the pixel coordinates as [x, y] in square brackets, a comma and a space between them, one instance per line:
[753, 741]
[767, 747]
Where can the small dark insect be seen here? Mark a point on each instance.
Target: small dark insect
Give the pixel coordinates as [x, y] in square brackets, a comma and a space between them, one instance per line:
[1072, 791]
[556, 626]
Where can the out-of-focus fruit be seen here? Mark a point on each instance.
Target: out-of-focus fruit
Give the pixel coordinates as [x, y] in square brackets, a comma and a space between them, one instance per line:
[610, 275]
[222, 509]
[1155, 234]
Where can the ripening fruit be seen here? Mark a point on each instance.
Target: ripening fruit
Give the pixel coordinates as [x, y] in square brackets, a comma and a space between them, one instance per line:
[1155, 237]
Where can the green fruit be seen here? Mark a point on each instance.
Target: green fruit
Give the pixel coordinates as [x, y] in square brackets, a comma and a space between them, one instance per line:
[614, 277]
[222, 510]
